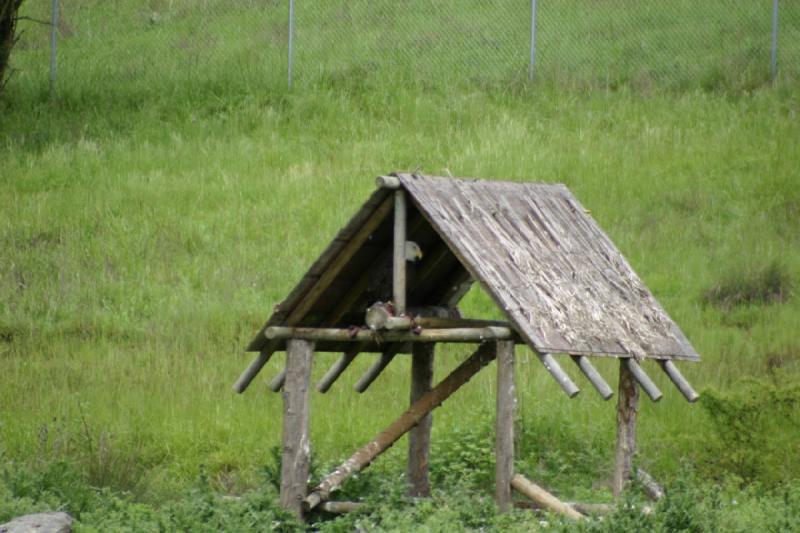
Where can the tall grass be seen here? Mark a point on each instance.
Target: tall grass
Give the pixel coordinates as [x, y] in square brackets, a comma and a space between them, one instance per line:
[142, 250]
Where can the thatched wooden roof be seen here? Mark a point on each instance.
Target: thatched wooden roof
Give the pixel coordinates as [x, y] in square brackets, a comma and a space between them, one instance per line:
[534, 249]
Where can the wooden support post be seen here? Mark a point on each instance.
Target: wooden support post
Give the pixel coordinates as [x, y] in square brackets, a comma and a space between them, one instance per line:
[365, 455]
[419, 438]
[543, 498]
[593, 376]
[296, 444]
[627, 407]
[677, 378]
[399, 259]
[504, 425]
[643, 379]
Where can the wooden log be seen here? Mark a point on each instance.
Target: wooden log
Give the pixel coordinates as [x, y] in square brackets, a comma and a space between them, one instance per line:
[504, 425]
[677, 378]
[365, 335]
[255, 367]
[419, 438]
[643, 379]
[277, 382]
[314, 292]
[593, 376]
[364, 456]
[296, 445]
[338, 367]
[387, 182]
[399, 257]
[341, 507]
[552, 366]
[627, 407]
[650, 486]
[543, 498]
[376, 368]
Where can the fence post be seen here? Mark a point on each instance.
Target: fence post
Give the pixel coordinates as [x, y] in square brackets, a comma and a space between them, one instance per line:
[53, 42]
[774, 55]
[291, 40]
[532, 65]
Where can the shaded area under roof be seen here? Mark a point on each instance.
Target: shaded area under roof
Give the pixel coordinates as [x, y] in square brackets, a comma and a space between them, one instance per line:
[533, 248]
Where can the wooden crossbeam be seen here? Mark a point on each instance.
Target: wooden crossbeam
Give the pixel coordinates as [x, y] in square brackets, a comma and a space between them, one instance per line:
[427, 403]
[338, 367]
[457, 335]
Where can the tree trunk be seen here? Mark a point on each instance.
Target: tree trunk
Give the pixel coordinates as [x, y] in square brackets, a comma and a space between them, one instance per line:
[8, 25]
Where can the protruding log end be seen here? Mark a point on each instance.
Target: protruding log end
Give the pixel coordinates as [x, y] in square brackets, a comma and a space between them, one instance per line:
[593, 376]
[552, 366]
[387, 182]
[277, 382]
[311, 501]
[643, 380]
[248, 375]
[677, 378]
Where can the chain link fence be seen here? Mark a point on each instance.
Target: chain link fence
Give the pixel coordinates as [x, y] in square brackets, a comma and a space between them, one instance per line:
[97, 46]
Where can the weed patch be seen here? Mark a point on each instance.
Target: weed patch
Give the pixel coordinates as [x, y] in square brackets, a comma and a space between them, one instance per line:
[770, 284]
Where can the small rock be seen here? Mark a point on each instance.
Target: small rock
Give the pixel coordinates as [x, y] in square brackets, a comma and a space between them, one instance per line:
[39, 523]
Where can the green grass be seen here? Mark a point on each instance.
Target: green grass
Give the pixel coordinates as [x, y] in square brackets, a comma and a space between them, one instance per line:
[147, 235]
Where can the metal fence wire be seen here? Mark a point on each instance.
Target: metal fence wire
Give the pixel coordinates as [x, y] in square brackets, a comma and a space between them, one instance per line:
[161, 45]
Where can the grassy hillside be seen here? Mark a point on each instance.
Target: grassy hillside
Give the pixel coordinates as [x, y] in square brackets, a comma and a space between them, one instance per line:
[146, 236]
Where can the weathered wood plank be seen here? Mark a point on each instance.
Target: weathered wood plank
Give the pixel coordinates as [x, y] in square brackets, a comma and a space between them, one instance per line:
[567, 287]
[627, 408]
[504, 424]
[419, 438]
[427, 403]
[296, 440]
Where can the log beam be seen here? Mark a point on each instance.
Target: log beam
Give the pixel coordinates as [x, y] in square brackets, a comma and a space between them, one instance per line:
[543, 498]
[419, 438]
[504, 425]
[466, 335]
[296, 444]
[643, 379]
[427, 403]
[627, 408]
[376, 368]
[387, 182]
[338, 368]
[399, 257]
[677, 378]
[593, 376]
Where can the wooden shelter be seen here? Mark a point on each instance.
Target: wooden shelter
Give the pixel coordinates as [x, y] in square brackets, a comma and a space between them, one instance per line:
[390, 283]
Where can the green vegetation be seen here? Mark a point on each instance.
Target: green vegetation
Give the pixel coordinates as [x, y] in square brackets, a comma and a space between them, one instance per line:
[147, 234]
